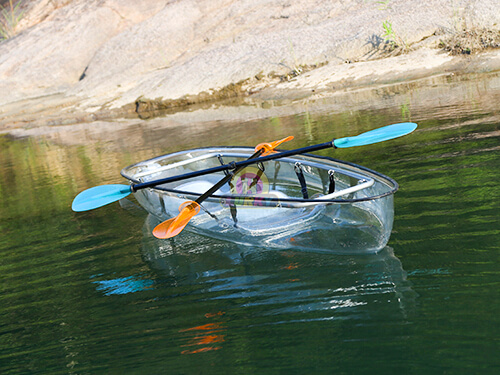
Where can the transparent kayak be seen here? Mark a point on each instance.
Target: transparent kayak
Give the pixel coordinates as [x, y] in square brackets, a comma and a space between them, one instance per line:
[304, 202]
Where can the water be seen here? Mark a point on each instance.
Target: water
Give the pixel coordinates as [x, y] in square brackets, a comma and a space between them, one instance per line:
[95, 293]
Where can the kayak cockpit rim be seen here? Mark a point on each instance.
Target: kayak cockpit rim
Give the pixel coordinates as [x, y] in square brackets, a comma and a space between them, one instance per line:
[364, 180]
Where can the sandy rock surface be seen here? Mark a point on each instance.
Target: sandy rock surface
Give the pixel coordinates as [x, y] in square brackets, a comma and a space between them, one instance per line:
[87, 55]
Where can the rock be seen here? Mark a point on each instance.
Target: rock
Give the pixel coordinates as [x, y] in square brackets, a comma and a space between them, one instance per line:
[97, 54]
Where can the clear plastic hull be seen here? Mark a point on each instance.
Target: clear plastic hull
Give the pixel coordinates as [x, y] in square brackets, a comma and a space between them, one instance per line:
[303, 202]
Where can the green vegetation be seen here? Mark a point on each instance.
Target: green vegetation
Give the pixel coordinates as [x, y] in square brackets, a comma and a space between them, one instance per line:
[393, 44]
[469, 41]
[393, 40]
[297, 70]
[467, 37]
[383, 4]
[10, 16]
[389, 35]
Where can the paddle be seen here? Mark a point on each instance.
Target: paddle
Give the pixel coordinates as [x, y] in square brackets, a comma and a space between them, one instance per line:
[101, 195]
[172, 227]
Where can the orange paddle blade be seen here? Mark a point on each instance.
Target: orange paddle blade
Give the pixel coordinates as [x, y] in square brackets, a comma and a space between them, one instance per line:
[269, 147]
[172, 227]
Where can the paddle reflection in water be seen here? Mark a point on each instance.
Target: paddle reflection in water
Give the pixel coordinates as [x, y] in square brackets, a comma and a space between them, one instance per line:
[204, 338]
[124, 285]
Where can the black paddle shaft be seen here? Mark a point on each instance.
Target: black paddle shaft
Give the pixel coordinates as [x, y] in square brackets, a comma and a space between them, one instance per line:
[226, 179]
[232, 166]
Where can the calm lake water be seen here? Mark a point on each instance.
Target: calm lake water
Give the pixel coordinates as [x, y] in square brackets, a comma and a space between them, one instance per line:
[95, 293]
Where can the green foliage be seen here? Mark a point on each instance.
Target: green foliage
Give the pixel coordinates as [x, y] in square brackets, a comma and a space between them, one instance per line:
[392, 39]
[389, 35]
[470, 40]
[393, 42]
[10, 16]
[383, 4]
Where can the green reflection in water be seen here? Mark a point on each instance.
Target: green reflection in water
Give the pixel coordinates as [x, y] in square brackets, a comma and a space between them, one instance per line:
[95, 293]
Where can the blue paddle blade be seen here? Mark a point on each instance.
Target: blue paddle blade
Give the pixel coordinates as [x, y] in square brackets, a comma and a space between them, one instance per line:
[378, 135]
[99, 196]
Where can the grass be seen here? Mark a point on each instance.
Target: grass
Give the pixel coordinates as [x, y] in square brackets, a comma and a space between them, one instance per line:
[393, 41]
[470, 41]
[394, 44]
[383, 4]
[466, 37]
[10, 15]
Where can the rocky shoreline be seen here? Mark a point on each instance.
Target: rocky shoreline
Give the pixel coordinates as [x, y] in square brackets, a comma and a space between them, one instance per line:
[82, 60]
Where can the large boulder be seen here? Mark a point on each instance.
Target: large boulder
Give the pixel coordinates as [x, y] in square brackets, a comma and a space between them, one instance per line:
[96, 53]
